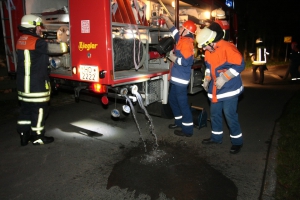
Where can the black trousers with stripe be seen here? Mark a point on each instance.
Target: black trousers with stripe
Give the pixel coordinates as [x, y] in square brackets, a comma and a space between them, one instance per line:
[32, 117]
[261, 68]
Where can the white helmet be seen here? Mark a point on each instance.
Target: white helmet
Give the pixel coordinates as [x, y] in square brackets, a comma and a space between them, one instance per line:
[31, 21]
[205, 37]
[218, 13]
[258, 40]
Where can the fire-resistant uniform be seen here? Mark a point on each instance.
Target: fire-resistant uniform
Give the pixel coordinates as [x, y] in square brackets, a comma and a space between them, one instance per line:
[32, 83]
[180, 77]
[220, 18]
[259, 61]
[225, 58]
[294, 62]
[225, 27]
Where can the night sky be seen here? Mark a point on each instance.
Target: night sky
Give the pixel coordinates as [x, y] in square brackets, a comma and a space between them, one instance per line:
[271, 20]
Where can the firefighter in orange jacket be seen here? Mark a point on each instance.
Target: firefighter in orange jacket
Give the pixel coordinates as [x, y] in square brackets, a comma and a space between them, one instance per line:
[183, 59]
[223, 83]
[33, 83]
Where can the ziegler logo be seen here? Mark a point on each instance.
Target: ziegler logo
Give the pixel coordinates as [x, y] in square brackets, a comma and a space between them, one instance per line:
[89, 46]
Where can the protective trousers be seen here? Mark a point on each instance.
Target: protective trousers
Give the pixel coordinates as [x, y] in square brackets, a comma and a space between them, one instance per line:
[294, 71]
[261, 73]
[178, 100]
[230, 111]
[32, 118]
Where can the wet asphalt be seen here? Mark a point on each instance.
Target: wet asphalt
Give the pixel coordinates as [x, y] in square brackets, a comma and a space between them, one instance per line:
[89, 144]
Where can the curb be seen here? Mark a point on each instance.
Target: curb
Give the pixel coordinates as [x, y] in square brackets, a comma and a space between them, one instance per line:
[269, 185]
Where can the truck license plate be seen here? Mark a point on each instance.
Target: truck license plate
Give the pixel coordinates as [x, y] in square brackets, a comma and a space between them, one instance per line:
[89, 73]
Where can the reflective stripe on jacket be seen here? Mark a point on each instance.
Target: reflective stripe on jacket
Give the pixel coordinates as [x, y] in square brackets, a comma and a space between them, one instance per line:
[225, 57]
[32, 74]
[184, 51]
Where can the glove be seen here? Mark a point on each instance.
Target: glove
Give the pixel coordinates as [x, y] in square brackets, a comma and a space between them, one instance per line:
[172, 57]
[206, 81]
[205, 84]
[223, 78]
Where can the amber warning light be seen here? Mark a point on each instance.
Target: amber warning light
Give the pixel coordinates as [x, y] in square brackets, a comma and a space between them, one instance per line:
[74, 70]
[97, 87]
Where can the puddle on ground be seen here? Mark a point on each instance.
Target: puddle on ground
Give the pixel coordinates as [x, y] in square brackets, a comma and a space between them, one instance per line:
[174, 170]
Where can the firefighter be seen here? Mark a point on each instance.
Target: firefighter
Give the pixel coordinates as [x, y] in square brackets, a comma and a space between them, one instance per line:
[223, 84]
[183, 59]
[33, 83]
[220, 19]
[259, 61]
[294, 62]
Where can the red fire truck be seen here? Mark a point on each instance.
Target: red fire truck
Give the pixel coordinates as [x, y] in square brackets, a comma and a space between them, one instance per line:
[112, 43]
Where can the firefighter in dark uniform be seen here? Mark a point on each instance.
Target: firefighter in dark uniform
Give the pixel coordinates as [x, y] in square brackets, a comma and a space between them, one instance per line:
[220, 19]
[294, 62]
[183, 59]
[33, 83]
[259, 61]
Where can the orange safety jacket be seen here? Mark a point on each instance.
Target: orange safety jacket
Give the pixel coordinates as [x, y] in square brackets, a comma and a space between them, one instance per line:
[225, 57]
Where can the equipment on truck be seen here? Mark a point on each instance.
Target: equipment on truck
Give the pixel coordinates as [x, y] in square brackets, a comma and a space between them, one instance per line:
[110, 45]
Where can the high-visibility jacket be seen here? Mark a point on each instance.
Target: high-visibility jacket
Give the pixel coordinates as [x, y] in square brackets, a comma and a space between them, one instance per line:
[259, 56]
[225, 57]
[33, 83]
[184, 51]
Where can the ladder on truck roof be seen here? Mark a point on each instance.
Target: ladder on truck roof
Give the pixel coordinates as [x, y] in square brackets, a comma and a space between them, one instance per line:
[6, 17]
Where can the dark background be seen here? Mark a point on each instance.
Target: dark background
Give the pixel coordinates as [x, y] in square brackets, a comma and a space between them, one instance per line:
[271, 20]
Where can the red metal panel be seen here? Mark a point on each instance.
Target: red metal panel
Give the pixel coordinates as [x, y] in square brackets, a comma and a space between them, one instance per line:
[117, 17]
[124, 12]
[90, 35]
[129, 12]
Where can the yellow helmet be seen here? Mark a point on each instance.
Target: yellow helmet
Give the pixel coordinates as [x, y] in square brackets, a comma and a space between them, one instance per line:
[31, 21]
[205, 37]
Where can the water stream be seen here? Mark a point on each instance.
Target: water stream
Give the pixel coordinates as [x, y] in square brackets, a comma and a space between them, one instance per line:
[173, 171]
[150, 121]
[136, 122]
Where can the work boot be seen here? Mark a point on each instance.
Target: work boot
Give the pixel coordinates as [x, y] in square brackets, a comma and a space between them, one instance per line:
[180, 133]
[210, 141]
[41, 139]
[235, 149]
[173, 126]
[25, 137]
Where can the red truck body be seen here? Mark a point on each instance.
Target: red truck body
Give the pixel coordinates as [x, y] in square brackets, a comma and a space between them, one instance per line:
[112, 43]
